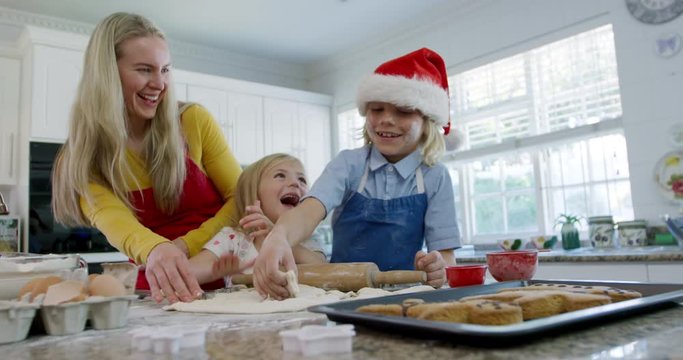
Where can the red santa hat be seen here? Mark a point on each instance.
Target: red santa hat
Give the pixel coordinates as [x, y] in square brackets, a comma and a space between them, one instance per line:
[417, 80]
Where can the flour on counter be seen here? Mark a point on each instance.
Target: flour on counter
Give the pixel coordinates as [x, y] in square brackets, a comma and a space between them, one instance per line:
[250, 302]
[42, 263]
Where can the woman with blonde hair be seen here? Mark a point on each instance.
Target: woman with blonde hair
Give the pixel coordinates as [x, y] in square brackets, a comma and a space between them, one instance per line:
[156, 180]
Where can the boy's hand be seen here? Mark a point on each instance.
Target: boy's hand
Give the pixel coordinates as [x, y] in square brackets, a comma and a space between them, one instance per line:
[434, 265]
[256, 222]
[229, 264]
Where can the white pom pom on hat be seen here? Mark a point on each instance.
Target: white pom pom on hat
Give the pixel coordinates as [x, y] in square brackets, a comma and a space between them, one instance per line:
[417, 80]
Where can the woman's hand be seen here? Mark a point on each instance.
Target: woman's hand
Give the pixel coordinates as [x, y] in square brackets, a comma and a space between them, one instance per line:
[268, 279]
[168, 273]
[180, 243]
[229, 264]
[434, 265]
[256, 222]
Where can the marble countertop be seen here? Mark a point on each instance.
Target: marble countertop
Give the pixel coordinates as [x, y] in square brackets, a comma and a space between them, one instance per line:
[657, 335]
[585, 254]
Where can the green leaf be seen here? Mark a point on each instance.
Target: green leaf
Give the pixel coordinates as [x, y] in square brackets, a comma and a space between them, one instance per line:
[516, 244]
[550, 243]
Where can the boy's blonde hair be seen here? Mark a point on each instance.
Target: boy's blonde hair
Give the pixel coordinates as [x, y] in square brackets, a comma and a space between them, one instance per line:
[95, 151]
[431, 143]
[246, 190]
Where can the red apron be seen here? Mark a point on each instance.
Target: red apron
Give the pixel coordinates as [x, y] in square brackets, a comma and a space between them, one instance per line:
[199, 202]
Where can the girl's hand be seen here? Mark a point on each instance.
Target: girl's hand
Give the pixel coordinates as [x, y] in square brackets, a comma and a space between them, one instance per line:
[434, 265]
[256, 222]
[229, 264]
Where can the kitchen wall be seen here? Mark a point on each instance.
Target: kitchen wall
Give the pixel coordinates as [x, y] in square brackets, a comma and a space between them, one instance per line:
[651, 86]
[479, 32]
[185, 55]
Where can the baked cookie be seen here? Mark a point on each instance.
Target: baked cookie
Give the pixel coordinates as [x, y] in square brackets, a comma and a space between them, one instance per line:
[408, 303]
[417, 310]
[541, 303]
[487, 312]
[615, 294]
[578, 301]
[382, 309]
[450, 312]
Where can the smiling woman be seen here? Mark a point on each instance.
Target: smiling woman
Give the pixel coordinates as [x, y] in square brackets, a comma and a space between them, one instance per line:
[144, 68]
[156, 184]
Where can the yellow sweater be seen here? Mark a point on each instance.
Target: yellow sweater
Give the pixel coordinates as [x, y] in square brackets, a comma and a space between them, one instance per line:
[207, 148]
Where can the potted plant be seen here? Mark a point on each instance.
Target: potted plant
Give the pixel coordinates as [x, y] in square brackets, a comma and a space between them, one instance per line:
[569, 232]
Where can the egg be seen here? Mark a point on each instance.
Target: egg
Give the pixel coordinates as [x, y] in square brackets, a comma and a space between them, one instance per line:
[42, 284]
[28, 287]
[63, 292]
[106, 285]
[91, 277]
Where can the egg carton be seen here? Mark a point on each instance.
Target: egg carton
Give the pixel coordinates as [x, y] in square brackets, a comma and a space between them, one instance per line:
[109, 312]
[167, 340]
[15, 320]
[70, 318]
[312, 340]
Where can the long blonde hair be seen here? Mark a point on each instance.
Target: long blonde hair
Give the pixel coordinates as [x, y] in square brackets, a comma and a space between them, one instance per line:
[431, 143]
[246, 190]
[95, 151]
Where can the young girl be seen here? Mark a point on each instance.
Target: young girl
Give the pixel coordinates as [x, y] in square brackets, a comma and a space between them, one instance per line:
[265, 190]
[390, 196]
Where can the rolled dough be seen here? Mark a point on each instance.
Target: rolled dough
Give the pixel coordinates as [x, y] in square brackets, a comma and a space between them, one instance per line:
[249, 301]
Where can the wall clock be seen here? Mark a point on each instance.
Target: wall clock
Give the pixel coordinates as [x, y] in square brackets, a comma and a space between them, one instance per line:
[655, 11]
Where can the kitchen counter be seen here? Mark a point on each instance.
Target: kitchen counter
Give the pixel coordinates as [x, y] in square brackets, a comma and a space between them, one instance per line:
[585, 254]
[657, 335]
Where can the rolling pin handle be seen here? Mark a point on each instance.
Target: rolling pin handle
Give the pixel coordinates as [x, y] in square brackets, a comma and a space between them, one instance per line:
[242, 279]
[399, 277]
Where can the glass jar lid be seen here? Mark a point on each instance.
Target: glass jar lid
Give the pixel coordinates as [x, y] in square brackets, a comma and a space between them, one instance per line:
[635, 224]
[607, 219]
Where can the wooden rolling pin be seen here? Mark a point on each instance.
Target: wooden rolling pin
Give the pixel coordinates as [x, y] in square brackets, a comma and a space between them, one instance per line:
[346, 276]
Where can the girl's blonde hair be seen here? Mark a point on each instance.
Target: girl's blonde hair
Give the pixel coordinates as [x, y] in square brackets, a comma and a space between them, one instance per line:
[95, 151]
[431, 143]
[246, 190]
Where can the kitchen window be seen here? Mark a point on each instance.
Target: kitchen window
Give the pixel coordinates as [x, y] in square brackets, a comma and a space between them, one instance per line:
[542, 135]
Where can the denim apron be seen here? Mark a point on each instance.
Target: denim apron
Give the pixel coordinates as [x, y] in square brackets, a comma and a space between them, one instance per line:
[386, 232]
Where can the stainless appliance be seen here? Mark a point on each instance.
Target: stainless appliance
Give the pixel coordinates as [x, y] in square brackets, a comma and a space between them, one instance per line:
[45, 235]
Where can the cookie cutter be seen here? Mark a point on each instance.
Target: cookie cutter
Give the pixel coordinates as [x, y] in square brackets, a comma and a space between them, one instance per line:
[311, 340]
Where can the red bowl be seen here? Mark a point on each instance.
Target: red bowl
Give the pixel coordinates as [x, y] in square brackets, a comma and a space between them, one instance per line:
[512, 265]
[465, 275]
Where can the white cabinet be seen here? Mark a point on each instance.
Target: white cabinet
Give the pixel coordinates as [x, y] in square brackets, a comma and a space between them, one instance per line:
[214, 100]
[317, 138]
[665, 272]
[592, 271]
[9, 120]
[56, 73]
[180, 91]
[300, 129]
[239, 115]
[282, 128]
[245, 127]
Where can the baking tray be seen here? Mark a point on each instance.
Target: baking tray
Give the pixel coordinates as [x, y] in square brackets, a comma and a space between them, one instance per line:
[655, 296]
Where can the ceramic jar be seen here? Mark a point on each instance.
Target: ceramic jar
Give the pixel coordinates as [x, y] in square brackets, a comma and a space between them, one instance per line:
[601, 231]
[632, 233]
